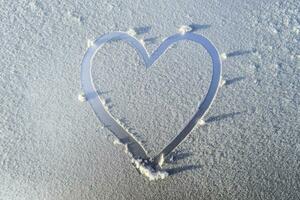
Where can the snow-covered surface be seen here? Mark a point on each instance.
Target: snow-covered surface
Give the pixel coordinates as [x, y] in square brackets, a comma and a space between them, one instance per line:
[161, 160]
[184, 29]
[131, 32]
[201, 122]
[82, 97]
[222, 83]
[89, 42]
[117, 142]
[147, 171]
[53, 147]
[223, 56]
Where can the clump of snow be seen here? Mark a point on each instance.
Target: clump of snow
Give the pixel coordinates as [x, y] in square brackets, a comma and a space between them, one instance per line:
[131, 32]
[161, 160]
[126, 148]
[184, 29]
[148, 171]
[82, 97]
[142, 41]
[119, 122]
[296, 29]
[90, 43]
[201, 122]
[223, 56]
[102, 100]
[117, 142]
[222, 82]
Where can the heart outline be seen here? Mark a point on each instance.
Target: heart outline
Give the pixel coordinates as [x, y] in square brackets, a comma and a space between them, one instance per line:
[134, 147]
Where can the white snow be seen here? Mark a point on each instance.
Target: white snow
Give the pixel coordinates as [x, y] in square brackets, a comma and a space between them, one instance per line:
[127, 129]
[103, 100]
[296, 29]
[201, 122]
[52, 147]
[147, 171]
[132, 32]
[117, 142]
[161, 160]
[184, 29]
[142, 41]
[223, 56]
[222, 82]
[90, 43]
[82, 97]
[126, 149]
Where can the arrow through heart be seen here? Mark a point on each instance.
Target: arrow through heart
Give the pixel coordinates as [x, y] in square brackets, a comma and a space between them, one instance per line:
[141, 160]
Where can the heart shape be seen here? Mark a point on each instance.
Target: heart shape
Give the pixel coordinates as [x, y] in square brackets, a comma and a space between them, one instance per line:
[134, 147]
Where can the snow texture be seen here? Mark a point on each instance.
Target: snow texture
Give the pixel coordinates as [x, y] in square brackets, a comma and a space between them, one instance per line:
[82, 97]
[184, 29]
[142, 41]
[201, 122]
[131, 32]
[147, 171]
[161, 160]
[117, 142]
[53, 147]
[223, 56]
[222, 83]
[90, 43]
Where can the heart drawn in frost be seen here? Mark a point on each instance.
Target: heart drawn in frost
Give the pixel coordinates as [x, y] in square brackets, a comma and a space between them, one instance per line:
[135, 147]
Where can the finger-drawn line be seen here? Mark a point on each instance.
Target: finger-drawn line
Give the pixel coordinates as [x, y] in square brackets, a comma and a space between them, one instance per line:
[134, 146]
